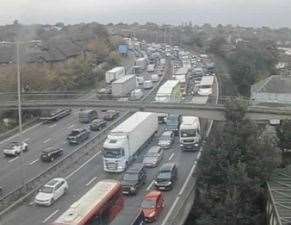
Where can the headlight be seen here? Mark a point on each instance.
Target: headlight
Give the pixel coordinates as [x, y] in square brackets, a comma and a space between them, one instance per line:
[152, 214]
[132, 188]
[196, 144]
[168, 183]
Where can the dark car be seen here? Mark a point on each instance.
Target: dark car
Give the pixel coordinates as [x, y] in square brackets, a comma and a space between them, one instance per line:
[134, 177]
[50, 154]
[139, 219]
[166, 139]
[173, 122]
[97, 124]
[153, 156]
[110, 114]
[166, 177]
[77, 136]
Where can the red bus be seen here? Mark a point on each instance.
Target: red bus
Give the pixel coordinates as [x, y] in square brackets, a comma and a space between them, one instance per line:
[98, 206]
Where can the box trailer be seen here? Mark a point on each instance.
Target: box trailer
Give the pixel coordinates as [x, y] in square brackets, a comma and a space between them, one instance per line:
[114, 74]
[124, 142]
[123, 86]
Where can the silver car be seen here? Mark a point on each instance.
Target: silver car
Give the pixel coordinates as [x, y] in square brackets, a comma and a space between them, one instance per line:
[166, 139]
[153, 156]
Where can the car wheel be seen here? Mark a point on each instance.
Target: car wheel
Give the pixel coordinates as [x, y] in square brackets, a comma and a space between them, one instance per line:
[66, 190]
[52, 159]
[51, 202]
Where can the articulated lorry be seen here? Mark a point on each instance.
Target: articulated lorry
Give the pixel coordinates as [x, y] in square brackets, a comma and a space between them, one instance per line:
[125, 141]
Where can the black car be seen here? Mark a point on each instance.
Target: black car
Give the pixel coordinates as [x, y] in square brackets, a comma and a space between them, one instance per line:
[50, 154]
[97, 124]
[77, 136]
[173, 122]
[166, 177]
[134, 177]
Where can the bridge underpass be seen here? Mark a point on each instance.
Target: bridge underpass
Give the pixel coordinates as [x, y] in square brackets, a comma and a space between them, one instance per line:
[208, 111]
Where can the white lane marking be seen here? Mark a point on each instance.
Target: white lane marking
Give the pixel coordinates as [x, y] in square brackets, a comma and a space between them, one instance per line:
[15, 135]
[150, 185]
[27, 139]
[91, 181]
[34, 161]
[11, 160]
[47, 140]
[71, 126]
[75, 171]
[51, 126]
[50, 216]
[171, 156]
[165, 221]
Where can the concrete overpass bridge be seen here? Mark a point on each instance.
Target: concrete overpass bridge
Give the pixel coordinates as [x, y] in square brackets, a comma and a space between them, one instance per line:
[208, 111]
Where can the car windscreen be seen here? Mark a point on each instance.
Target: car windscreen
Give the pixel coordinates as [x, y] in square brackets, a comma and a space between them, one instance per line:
[188, 133]
[148, 204]
[130, 177]
[46, 189]
[164, 175]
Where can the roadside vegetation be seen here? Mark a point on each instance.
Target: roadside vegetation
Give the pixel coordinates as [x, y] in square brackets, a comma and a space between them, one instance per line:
[233, 169]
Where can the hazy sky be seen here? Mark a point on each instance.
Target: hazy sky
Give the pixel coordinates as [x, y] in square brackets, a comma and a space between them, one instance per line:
[274, 13]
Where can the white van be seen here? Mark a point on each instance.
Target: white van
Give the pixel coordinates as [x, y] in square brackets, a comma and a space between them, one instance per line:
[136, 94]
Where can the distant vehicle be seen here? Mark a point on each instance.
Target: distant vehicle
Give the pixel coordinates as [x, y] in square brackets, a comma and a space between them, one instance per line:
[123, 49]
[50, 154]
[77, 136]
[123, 86]
[166, 139]
[155, 77]
[52, 116]
[190, 136]
[93, 208]
[205, 86]
[162, 117]
[125, 140]
[104, 93]
[153, 156]
[162, 61]
[97, 124]
[148, 84]
[139, 80]
[15, 148]
[51, 191]
[86, 116]
[141, 62]
[133, 179]
[173, 122]
[136, 94]
[110, 115]
[114, 74]
[151, 68]
[152, 205]
[166, 177]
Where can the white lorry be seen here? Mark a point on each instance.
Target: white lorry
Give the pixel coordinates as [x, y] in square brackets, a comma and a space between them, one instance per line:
[141, 62]
[124, 142]
[123, 86]
[190, 134]
[114, 74]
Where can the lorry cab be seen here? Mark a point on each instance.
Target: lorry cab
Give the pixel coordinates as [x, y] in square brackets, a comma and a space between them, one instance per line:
[114, 150]
[189, 133]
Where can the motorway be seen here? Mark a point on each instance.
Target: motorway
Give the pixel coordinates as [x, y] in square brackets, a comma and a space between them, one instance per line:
[84, 175]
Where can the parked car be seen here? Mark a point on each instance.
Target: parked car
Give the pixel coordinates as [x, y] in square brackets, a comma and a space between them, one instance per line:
[153, 156]
[110, 115]
[78, 135]
[50, 154]
[148, 84]
[136, 94]
[166, 177]
[152, 205]
[51, 191]
[166, 139]
[134, 177]
[15, 148]
[97, 124]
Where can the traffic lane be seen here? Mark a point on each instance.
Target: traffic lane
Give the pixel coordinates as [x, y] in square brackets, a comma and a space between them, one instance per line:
[13, 175]
[133, 202]
[40, 133]
[79, 180]
[184, 162]
[31, 159]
